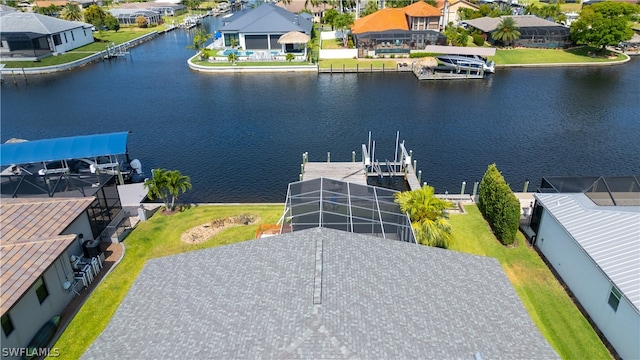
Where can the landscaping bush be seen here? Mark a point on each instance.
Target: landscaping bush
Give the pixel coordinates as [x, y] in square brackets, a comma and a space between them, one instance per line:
[420, 54]
[499, 206]
[478, 39]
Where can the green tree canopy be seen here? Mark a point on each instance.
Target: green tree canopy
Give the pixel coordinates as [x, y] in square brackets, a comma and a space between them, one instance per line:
[200, 38]
[603, 24]
[329, 16]
[167, 185]
[71, 12]
[369, 8]
[95, 16]
[507, 31]
[428, 216]
[111, 22]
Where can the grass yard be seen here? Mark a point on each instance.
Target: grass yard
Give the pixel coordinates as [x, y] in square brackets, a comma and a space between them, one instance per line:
[548, 304]
[551, 56]
[157, 237]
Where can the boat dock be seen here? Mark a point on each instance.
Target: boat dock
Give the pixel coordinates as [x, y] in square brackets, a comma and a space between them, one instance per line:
[359, 172]
[444, 73]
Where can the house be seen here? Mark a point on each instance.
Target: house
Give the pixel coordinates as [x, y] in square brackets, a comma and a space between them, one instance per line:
[38, 238]
[398, 30]
[534, 31]
[322, 293]
[450, 10]
[260, 28]
[31, 36]
[129, 16]
[163, 8]
[589, 232]
[298, 7]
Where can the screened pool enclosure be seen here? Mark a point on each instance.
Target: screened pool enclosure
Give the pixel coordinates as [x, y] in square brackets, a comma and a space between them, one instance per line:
[340, 205]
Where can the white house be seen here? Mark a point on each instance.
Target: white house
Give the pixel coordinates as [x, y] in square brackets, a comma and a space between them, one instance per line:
[595, 249]
[31, 36]
[38, 237]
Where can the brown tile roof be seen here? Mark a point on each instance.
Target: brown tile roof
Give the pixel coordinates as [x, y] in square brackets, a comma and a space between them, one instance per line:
[30, 240]
[393, 18]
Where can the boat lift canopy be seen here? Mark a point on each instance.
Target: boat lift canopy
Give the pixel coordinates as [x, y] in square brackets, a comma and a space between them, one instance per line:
[460, 50]
[66, 148]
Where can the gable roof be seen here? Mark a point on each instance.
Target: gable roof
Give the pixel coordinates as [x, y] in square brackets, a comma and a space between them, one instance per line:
[393, 18]
[489, 24]
[296, 6]
[31, 240]
[322, 293]
[267, 18]
[462, 3]
[19, 22]
[610, 235]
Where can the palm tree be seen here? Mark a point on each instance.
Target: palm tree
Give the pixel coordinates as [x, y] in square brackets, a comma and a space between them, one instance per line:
[428, 216]
[232, 57]
[176, 184]
[167, 185]
[71, 12]
[507, 31]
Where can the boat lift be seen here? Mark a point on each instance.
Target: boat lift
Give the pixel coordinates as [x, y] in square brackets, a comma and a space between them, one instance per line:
[400, 166]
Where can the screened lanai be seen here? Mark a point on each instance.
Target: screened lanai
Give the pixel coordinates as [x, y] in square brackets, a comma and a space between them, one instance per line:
[345, 206]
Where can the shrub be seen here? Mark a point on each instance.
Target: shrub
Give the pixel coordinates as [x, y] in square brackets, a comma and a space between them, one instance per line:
[420, 54]
[499, 206]
[141, 21]
[478, 39]
[392, 56]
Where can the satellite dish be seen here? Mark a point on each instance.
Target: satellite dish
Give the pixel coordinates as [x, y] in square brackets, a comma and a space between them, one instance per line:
[66, 285]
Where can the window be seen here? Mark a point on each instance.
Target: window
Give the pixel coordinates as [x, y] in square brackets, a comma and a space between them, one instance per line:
[41, 290]
[65, 38]
[7, 325]
[73, 38]
[614, 298]
[56, 39]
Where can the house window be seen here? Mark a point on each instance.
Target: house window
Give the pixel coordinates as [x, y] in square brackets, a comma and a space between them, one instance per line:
[56, 39]
[65, 38]
[614, 298]
[41, 290]
[73, 38]
[7, 325]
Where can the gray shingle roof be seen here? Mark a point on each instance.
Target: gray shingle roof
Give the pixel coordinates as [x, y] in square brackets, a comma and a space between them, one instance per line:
[268, 18]
[610, 235]
[19, 22]
[489, 24]
[321, 293]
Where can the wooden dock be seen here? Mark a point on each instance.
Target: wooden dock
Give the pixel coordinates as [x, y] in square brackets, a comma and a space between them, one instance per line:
[353, 172]
[444, 73]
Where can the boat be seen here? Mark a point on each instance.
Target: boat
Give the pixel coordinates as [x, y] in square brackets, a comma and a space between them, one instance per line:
[473, 63]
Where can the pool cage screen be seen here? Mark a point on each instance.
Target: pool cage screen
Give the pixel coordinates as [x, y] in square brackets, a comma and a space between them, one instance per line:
[553, 37]
[345, 206]
[602, 190]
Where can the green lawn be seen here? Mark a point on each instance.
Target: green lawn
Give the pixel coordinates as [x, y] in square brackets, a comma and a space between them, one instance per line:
[103, 38]
[157, 237]
[548, 304]
[550, 56]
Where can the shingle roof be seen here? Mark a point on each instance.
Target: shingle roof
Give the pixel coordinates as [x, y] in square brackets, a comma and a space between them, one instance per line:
[321, 293]
[19, 22]
[31, 240]
[489, 24]
[268, 18]
[610, 235]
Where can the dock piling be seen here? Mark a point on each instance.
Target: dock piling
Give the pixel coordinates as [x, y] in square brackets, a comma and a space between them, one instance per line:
[475, 188]
[526, 186]
[301, 168]
[328, 156]
[419, 176]
[353, 156]
[464, 184]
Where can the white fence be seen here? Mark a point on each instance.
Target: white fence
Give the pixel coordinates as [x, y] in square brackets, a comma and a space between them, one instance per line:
[338, 53]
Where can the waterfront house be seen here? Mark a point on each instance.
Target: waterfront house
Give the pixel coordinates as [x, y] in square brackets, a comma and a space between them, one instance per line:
[534, 31]
[31, 36]
[450, 10]
[164, 8]
[300, 6]
[260, 28]
[38, 237]
[588, 229]
[129, 16]
[398, 30]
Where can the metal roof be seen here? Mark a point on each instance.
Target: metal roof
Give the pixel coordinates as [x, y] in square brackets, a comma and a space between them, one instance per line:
[321, 293]
[610, 235]
[267, 19]
[489, 24]
[65, 148]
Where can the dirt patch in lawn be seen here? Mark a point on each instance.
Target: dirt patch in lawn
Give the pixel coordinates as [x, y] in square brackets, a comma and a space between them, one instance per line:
[204, 232]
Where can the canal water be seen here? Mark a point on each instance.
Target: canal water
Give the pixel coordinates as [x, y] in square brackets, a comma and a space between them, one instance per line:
[240, 137]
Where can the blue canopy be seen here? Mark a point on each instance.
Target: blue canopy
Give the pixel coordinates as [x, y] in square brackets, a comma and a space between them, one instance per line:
[75, 147]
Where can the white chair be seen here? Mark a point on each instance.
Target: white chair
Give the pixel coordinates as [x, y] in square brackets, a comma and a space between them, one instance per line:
[80, 276]
[88, 270]
[95, 264]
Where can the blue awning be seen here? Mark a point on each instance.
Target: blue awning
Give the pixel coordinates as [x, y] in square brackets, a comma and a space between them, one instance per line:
[75, 147]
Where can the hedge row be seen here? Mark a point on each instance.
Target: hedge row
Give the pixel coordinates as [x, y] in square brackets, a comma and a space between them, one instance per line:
[499, 205]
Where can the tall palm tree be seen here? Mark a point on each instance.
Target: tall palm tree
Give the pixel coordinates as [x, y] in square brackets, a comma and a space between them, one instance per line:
[428, 216]
[71, 12]
[176, 184]
[507, 31]
[167, 185]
